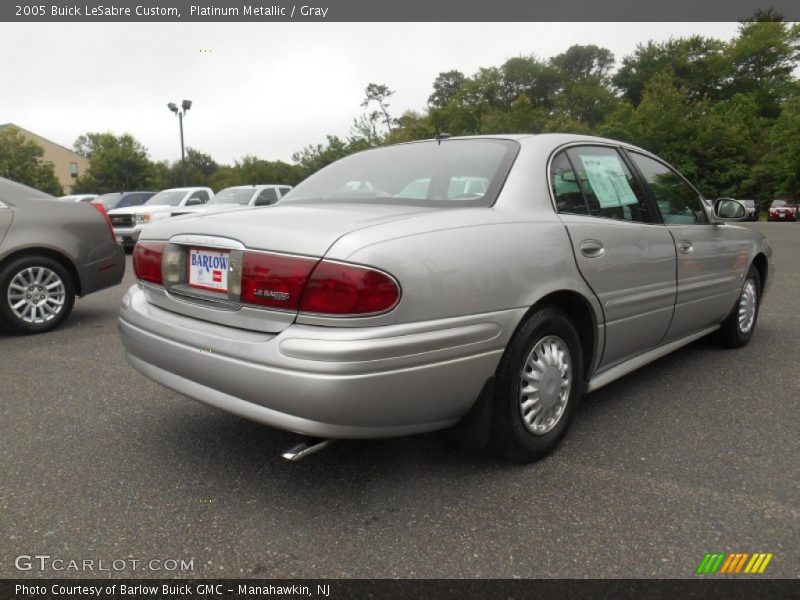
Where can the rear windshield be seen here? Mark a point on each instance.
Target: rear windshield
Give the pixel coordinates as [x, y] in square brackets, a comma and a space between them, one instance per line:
[232, 196]
[171, 198]
[450, 173]
[108, 201]
[135, 199]
[780, 203]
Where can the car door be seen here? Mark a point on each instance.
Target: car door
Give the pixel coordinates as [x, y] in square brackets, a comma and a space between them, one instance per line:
[711, 259]
[625, 255]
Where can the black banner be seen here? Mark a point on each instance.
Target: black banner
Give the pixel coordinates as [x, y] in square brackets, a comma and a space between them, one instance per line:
[391, 589]
[384, 11]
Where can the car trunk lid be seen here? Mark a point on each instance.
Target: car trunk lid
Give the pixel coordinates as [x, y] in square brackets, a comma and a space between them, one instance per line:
[205, 255]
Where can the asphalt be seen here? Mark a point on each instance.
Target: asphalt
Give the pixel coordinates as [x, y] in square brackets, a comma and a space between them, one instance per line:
[697, 452]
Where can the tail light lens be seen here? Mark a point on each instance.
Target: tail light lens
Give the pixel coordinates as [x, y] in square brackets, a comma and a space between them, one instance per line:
[274, 280]
[315, 286]
[147, 261]
[102, 210]
[343, 289]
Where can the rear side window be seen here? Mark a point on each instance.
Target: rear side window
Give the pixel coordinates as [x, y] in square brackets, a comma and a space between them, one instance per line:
[566, 190]
[677, 201]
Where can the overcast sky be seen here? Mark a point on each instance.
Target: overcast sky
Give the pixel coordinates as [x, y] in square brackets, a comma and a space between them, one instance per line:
[259, 88]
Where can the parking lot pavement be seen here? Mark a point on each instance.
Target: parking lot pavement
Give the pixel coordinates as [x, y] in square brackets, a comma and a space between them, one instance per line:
[695, 453]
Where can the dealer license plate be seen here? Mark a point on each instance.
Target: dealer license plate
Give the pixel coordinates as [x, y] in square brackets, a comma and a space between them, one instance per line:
[208, 269]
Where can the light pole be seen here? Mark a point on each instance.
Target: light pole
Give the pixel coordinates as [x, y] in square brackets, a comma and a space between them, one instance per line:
[185, 106]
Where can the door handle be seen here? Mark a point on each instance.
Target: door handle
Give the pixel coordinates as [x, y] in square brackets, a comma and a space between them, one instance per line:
[685, 247]
[592, 248]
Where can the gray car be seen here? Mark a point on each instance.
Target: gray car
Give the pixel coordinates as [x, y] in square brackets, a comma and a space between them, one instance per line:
[409, 288]
[50, 252]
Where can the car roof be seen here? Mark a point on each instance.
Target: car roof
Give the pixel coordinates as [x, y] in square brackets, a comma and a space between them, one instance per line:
[253, 186]
[11, 191]
[542, 140]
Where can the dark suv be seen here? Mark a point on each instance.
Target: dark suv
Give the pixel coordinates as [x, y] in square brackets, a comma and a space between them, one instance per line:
[123, 199]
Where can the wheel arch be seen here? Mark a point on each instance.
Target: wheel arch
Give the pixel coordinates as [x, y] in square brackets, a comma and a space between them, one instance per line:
[581, 314]
[761, 264]
[60, 258]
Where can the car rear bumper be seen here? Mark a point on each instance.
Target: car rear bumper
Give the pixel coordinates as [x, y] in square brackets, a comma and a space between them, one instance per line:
[127, 236]
[103, 273]
[322, 381]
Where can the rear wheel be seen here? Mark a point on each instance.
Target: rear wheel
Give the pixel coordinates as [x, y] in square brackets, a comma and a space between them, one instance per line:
[36, 295]
[738, 327]
[538, 387]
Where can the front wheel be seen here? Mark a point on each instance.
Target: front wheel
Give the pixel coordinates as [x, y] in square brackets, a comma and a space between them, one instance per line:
[36, 295]
[539, 383]
[738, 327]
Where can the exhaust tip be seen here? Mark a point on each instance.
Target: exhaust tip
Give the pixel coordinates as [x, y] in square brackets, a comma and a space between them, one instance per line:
[306, 448]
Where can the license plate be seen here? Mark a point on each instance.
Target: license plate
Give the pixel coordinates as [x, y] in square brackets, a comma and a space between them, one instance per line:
[120, 239]
[208, 269]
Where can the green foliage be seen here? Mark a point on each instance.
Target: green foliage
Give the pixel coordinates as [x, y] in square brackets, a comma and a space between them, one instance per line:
[118, 163]
[21, 161]
[726, 114]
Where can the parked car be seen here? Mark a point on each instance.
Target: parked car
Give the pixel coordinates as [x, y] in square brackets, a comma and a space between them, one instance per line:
[356, 311]
[753, 210]
[782, 210]
[128, 222]
[238, 197]
[78, 198]
[51, 252]
[123, 199]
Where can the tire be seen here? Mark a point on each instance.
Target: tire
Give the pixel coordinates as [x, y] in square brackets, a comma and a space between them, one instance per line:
[45, 303]
[739, 325]
[511, 436]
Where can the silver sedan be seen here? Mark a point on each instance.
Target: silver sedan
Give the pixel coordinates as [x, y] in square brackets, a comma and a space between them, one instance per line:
[410, 288]
[50, 252]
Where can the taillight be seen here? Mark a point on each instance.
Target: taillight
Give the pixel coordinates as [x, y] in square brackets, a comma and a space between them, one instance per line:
[102, 210]
[343, 289]
[315, 286]
[274, 280]
[147, 261]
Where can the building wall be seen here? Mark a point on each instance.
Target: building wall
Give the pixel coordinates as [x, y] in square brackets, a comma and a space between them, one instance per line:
[60, 157]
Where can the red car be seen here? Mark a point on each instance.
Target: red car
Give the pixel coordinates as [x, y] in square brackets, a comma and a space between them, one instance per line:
[782, 210]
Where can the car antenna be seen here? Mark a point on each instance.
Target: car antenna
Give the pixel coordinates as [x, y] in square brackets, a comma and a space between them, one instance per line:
[440, 135]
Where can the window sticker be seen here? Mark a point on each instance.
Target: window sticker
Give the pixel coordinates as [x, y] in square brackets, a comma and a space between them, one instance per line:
[608, 181]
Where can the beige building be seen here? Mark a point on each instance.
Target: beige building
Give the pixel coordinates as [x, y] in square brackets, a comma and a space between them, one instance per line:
[67, 164]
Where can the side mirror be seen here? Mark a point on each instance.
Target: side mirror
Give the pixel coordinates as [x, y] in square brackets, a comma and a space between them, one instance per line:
[729, 210]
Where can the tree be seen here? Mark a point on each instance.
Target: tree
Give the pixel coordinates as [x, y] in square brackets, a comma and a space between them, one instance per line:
[445, 87]
[763, 57]
[379, 93]
[697, 64]
[584, 62]
[777, 173]
[21, 161]
[118, 163]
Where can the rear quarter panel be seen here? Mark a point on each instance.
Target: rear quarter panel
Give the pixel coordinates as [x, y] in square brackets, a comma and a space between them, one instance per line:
[77, 231]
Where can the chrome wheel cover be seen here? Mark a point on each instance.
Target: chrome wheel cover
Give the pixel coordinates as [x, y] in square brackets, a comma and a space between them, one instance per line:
[545, 384]
[36, 295]
[748, 303]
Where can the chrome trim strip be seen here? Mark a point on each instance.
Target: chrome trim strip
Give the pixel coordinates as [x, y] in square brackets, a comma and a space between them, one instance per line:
[615, 372]
[207, 241]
